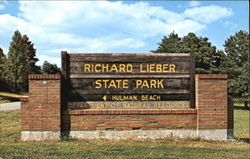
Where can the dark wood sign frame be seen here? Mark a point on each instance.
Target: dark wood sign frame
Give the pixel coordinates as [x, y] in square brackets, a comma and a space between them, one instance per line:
[74, 80]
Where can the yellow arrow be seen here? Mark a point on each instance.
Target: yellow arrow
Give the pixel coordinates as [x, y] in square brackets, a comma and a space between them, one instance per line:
[104, 97]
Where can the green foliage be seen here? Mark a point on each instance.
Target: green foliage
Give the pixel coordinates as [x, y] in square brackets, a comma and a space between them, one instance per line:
[170, 44]
[49, 68]
[206, 57]
[1, 53]
[21, 62]
[2, 70]
[2, 61]
[237, 64]
[234, 61]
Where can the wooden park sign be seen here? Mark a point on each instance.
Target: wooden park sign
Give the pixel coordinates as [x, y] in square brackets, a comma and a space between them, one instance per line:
[126, 96]
[128, 80]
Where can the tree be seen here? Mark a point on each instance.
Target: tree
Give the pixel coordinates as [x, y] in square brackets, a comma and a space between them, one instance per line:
[21, 61]
[31, 56]
[2, 69]
[170, 44]
[237, 65]
[206, 56]
[1, 53]
[49, 68]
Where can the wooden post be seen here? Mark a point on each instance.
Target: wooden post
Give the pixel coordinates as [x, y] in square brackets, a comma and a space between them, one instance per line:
[192, 80]
[64, 62]
[65, 76]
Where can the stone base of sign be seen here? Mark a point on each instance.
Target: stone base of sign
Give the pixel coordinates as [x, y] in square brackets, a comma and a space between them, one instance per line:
[133, 134]
[40, 135]
[216, 134]
[150, 134]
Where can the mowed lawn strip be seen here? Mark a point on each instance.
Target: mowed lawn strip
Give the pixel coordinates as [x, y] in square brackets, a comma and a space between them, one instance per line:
[241, 124]
[6, 97]
[12, 147]
[13, 95]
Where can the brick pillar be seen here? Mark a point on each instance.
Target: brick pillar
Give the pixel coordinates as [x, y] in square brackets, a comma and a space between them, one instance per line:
[211, 105]
[24, 113]
[41, 112]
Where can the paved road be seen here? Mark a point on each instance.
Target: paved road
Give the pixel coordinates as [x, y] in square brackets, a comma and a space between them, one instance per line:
[10, 106]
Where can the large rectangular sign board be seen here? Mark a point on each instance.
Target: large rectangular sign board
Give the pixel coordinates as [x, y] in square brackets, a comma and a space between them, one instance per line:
[128, 80]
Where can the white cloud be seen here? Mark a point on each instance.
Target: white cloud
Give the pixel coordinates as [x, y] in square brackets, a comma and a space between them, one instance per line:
[193, 26]
[100, 26]
[50, 59]
[194, 3]
[10, 23]
[2, 7]
[208, 14]
[138, 19]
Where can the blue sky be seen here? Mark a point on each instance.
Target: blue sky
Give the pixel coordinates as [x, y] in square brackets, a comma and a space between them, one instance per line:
[116, 26]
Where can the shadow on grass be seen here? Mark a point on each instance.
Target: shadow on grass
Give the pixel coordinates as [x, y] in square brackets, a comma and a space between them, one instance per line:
[246, 140]
[10, 99]
[241, 108]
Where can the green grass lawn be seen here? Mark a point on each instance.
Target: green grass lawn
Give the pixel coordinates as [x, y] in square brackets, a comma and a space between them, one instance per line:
[241, 124]
[11, 147]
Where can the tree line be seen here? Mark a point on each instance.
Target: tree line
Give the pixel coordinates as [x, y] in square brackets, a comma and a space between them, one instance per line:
[19, 63]
[233, 60]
